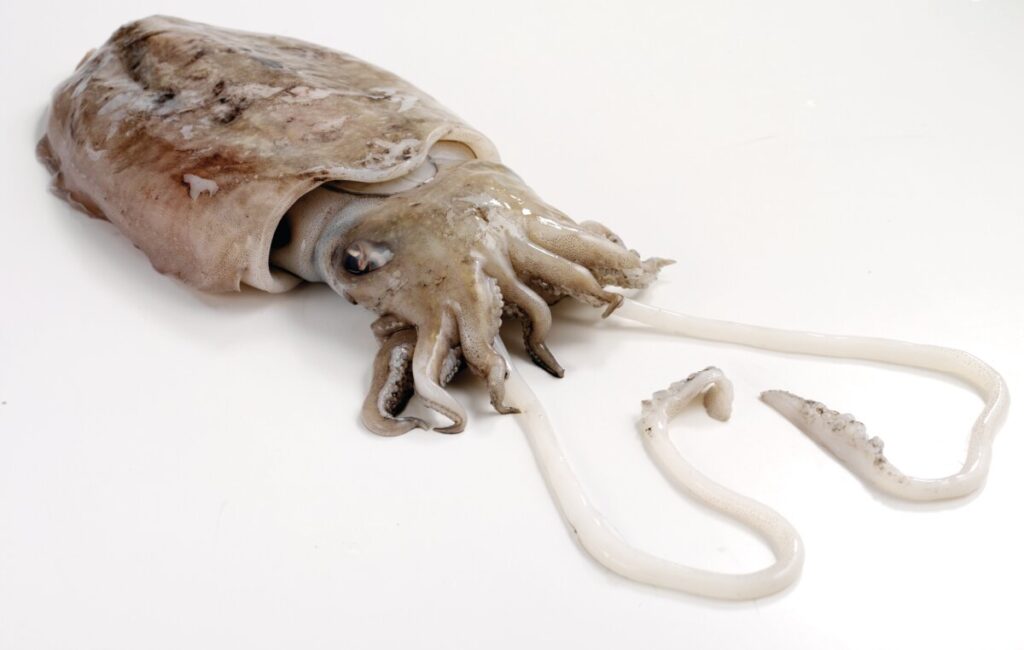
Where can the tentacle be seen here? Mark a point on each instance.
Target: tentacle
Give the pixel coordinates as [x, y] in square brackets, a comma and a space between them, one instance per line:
[547, 293]
[478, 317]
[387, 325]
[432, 361]
[451, 365]
[579, 244]
[531, 310]
[848, 440]
[609, 262]
[532, 261]
[956, 363]
[599, 228]
[597, 535]
[392, 384]
[494, 369]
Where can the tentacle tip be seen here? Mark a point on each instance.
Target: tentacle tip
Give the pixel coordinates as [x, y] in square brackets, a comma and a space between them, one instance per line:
[776, 397]
[498, 401]
[542, 356]
[718, 404]
[822, 423]
[613, 304]
[392, 427]
[785, 403]
[454, 427]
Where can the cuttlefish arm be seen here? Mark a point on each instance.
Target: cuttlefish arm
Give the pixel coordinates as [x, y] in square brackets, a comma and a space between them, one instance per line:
[391, 387]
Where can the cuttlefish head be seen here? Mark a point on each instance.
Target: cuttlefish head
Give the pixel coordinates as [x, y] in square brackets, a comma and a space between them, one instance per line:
[443, 262]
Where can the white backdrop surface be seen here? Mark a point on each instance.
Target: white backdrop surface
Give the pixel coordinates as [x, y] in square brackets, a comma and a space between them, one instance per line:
[180, 470]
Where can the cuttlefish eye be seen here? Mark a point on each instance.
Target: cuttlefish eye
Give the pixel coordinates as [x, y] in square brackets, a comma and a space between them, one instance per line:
[364, 256]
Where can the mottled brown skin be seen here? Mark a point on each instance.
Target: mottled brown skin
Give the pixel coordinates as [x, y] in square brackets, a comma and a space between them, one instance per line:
[265, 118]
[195, 141]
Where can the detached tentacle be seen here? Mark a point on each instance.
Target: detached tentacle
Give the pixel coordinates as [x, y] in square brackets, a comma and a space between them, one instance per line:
[392, 384]
[531, 260]
[432, 361]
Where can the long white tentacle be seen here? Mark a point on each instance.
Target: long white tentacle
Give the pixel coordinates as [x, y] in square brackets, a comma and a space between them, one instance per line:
[841, 434]
[604, 543]
[864, 460]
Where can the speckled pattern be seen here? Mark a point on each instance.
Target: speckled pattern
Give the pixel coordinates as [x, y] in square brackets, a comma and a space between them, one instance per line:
[195, 140]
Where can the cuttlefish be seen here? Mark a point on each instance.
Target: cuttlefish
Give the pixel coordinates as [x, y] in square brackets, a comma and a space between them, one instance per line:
[232, 158]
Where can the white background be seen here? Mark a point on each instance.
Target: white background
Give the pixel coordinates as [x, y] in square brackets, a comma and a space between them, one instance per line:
[180, 470]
